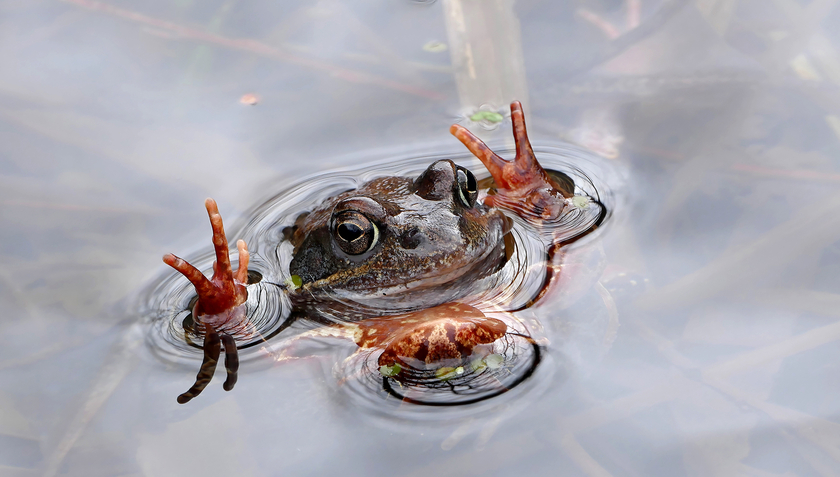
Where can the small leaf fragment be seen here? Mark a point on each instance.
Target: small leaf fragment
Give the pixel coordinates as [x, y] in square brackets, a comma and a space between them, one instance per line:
[294, 282]
[489, 116]
[249, 99]
[478, 365]
[446, 373]
[435, 46]
[494, 361]
[580, 201]
[390, 371]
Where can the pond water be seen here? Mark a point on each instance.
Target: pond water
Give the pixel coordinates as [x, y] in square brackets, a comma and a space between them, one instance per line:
[706, 344]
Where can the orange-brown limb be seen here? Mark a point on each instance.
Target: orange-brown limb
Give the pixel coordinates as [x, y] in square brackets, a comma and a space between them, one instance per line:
[522, 184]
[225, 290]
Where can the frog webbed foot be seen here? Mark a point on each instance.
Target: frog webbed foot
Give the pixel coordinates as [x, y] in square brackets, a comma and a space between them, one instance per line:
[225, 290]
[522, 184]
[220, 304]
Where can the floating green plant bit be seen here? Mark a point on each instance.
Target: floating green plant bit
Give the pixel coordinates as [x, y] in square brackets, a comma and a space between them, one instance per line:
[294, 282]
[580, 201]
[446, 373]
[494, 361]
[489, 116]
[478, 365]
[390, 371]
[435, 46]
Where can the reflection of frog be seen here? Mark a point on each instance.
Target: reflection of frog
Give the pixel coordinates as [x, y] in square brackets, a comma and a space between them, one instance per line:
[394, 245]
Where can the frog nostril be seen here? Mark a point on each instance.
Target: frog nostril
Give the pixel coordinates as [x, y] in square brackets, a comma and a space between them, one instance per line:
[411, 238]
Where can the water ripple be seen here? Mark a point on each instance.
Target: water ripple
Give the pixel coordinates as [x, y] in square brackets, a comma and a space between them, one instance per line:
[173, 336]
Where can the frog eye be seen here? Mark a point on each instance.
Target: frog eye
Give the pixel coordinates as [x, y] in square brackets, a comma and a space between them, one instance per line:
[354, 233]
[467, 186]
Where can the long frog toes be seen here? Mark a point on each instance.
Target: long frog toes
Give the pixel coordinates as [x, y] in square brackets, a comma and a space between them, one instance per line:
[225, 290]
[522, 185]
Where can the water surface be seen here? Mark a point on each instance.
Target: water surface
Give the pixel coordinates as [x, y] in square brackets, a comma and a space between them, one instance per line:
[721, 119]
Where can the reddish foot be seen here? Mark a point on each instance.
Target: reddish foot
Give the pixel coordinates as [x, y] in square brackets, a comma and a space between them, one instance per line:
[522, 185]
[219, 303]
[225, 290]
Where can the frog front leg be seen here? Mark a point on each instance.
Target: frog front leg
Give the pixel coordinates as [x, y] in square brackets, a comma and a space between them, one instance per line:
[528, 190]
[220, 305]
[523, 186]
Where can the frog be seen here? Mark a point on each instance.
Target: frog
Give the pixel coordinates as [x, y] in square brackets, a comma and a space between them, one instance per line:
[395, 246]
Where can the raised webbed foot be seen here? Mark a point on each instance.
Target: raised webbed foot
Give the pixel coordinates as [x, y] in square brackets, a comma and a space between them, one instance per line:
[224, 291]
[220, 304]
[523, 186]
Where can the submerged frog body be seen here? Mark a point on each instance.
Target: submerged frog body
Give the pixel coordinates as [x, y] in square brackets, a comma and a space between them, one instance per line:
[394, 246]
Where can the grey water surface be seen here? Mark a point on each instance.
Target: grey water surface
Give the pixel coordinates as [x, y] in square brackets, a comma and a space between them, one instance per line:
[719, 124]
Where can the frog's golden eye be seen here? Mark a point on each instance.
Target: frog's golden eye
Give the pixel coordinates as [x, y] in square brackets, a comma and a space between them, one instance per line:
[354, 232]
[467, 186]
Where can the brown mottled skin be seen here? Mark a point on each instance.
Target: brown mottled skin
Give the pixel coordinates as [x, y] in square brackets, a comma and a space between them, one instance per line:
[430, 245]
[449, 331]
[429, 239]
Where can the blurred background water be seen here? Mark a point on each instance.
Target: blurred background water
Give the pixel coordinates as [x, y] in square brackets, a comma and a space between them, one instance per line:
[721, 118]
